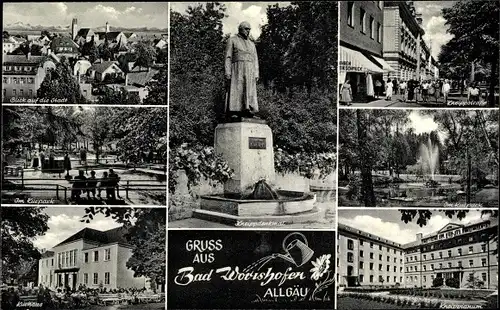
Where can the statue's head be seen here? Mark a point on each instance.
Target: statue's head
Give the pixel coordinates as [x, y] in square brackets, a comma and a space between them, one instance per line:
[244, 29]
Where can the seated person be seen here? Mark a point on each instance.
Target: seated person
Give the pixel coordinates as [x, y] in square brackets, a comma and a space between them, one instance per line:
[79, 185]
[113, 183]
[103, 184]
[91, 184]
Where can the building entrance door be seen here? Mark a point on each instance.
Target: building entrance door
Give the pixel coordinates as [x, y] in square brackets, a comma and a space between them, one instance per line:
[66, 279]
[74, 277]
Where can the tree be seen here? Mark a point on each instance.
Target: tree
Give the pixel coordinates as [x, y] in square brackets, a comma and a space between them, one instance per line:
[157, 90]
[437, 282]
[19, 227]
[475, 27]
[97, 127]
[60, 84]
[146, 55]
[147, 235]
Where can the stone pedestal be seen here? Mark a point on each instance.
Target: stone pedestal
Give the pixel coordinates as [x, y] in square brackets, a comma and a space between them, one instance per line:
[247, 147]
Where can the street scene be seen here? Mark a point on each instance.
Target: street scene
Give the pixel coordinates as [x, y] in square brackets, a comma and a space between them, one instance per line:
[84, 53]
[430, 54]
[83, 258]
[252, 115]
[417, 259]
[415, 158]
[84, 155]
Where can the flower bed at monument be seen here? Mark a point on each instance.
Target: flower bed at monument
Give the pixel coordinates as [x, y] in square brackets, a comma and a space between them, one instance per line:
[405, 301]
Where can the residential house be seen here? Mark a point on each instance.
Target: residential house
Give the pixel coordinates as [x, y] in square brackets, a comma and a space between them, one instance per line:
[65, 46]
[160, 43]
[23, 75]
[10, 44]
[99, 71]
[83, 36]
[136, 81]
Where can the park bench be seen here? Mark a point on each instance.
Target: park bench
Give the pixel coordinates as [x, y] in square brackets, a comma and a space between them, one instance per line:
[13, 170]
[114, 299]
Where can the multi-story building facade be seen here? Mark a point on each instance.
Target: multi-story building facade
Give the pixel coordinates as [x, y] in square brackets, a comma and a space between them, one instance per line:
[361, 46]
[456, 251]
[403, 46]
[92, 258]
[23, 75]
[368, 259]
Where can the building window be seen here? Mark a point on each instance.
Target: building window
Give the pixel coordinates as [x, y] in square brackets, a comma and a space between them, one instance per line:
[86, 278]
[380, 247]
[449, 264]
[362, 18]
[371, 279]
[395, 270]
[388, 259]
[440, 254]
[371, 266]
[471, 249]
[459, 252]
[372, 28]
[416, 268]
[106, 278]
[71, 258]
[395, 260]
[425, 257]
[86, 257]
[406, 269]
[371, 255]
[350, 13]
[388, 267]
[483, 248]
[432, 256]
[361, 265]
[380, 267]
[96, 278]
[360, 253]
[380, 257]
[432, 266]
[449, 253]
[371, 245]
[96, 256]
[379, 33]
[350, 257]
[350, 244]
[388, 279]
[400, 279]
[107, 254]
[483, 262]
[483, 275]
[52, 262]
[407, 259]
[471, 263]
[360, 241]
[361, 278]
[14, 92]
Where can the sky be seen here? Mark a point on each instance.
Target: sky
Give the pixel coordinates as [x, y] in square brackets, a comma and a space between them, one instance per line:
[89, 14]
[65, 221]
[388, 224]
[237, 12]
[424, 124]
[433, 23]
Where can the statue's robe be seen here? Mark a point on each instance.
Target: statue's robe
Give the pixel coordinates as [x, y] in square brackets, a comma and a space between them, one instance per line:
[241, 63]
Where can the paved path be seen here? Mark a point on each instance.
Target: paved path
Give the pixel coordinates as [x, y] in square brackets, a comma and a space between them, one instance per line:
[397, 102]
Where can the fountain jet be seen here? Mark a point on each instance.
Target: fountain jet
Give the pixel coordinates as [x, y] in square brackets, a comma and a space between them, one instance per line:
[429, 156]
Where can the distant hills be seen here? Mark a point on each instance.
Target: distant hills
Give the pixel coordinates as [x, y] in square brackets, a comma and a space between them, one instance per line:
[23, 26]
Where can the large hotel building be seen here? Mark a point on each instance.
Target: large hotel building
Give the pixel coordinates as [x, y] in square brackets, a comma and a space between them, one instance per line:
[456, 251]
[92, 258]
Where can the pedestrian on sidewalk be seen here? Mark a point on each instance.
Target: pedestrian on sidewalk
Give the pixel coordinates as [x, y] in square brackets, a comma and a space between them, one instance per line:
[425, 91]
[388, 90]
[67, 163]
[411, 89]
[346, 93]
[395, 86]
[378, 89]
[437, 90]
[403, 89]
[42, 160]
[446, 90]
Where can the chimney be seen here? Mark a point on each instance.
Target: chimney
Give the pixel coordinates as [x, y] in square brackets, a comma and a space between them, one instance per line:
[107, 27]
[74, 27]
[419, 236]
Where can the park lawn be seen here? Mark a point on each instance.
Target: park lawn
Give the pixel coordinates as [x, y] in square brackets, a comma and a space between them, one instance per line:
[349, 303]
[152, 306]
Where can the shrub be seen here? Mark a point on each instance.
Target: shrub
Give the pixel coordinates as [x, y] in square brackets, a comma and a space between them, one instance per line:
[453, 282]
[437, 282]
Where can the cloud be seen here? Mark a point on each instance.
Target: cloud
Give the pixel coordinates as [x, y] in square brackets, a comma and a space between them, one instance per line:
[63, 226]
[435, 33]
[399, 231]
[89, 14]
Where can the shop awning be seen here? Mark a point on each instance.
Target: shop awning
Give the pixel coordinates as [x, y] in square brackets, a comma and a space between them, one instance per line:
[354, 61]
[384, 64]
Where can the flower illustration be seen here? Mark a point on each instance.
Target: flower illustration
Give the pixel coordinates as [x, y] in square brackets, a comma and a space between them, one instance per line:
[321, 266]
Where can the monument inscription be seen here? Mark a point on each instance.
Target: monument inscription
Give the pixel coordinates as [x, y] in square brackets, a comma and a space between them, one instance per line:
[255, 143]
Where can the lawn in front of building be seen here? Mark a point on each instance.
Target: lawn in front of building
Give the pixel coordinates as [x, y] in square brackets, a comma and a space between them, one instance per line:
[150, 306]
[350, 303]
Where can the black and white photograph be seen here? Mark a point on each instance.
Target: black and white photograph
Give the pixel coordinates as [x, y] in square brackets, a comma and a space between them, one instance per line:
[214, 269]
[83, 258]
[85, 53]
[431, 54]
[84, 155]
[252, 115]
[425, 258]
[418, 158]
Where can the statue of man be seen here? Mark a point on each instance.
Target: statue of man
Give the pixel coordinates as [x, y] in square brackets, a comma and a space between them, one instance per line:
[242, 73]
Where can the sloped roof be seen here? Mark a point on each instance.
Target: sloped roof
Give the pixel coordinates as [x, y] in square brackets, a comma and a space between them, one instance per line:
[47, 254]
[22, 59]
[111, 36]
[128, 34]
[63, 41]
[101, 67]
[141, 77]
[83, 32]
[102, 237]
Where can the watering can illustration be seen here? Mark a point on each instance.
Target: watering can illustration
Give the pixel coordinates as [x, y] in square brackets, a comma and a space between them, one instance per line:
[296, 250]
